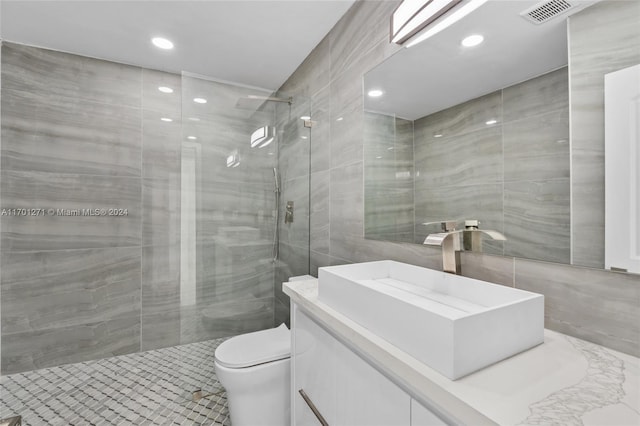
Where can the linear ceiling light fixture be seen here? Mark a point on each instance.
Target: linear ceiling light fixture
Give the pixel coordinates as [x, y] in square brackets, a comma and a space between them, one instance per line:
[411, 16]
[451, 18]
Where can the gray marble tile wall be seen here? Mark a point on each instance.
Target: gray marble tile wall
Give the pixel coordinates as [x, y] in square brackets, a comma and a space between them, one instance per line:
[388, 162]
[71, 138]
[332, 76]
[467, 184]
[79, 132]
[604, 38]
[513, 175]
[536, 156]
[379, 166]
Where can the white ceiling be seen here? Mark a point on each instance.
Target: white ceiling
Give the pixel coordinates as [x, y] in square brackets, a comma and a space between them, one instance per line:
[439, 73]
[257, 43]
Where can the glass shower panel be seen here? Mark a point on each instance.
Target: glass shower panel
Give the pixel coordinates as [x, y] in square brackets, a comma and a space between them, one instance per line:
[294, 144]
[228, 204]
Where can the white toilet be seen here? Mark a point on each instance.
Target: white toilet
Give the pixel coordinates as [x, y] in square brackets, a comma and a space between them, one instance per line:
[254, 368]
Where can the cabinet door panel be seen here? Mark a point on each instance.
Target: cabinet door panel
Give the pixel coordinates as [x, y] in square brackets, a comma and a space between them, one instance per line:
[365, 397]
[345, 388]
[314, 362]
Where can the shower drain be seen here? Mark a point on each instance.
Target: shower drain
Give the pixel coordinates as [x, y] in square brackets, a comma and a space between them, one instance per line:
[197, 395]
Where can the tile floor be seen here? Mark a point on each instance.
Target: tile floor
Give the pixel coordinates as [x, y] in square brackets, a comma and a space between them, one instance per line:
[148, 388]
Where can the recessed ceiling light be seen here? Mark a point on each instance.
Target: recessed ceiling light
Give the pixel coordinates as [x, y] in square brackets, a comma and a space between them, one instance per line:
[490, 122]
[193, 138]
[339, 118]
[375, 93]
[162, 43]
[168, 120]
[305, 117]
[379, 157]
[472, 40]
[200, 100]
[439, 135]
[165, 89]
[304, 137]
[390, 148]
[194, 119]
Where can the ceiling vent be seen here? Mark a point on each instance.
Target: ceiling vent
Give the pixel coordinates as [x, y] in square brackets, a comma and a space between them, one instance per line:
[547, 10]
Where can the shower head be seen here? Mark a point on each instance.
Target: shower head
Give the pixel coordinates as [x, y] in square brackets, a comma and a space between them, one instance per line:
[288, 100]
[254, 102]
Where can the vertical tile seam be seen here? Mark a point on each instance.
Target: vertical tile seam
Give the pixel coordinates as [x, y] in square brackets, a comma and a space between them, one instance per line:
[1, 45]
[362, 154]
[141, 201]
[502, 163]
[310, 109]
[571, 192]
[504, 248]
[413, 162]
[395, 162]
[332, 81]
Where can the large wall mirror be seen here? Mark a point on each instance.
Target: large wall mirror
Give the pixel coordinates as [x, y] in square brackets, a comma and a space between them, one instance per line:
[481, 132]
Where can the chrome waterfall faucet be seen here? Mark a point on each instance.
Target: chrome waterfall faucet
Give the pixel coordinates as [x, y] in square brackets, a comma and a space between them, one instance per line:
[449, 240]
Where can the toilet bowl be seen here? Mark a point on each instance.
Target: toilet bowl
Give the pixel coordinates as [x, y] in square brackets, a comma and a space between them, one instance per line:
[254, 368]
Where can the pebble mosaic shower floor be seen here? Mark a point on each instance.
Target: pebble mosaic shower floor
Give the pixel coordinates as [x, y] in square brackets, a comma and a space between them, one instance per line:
[147, 388]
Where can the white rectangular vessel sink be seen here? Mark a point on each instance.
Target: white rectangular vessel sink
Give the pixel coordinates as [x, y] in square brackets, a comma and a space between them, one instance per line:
[453, 324]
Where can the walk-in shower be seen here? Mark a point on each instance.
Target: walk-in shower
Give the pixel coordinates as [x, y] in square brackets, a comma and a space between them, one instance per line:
[261, 138]
[234, 231]
[198, 255]
[152, 228]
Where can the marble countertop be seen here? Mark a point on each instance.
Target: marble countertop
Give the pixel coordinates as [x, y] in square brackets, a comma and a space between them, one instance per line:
[564, 381]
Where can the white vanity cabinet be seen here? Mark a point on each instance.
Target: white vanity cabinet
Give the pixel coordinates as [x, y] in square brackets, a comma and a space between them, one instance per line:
[364, 396]
[313, 364]
[344, 388]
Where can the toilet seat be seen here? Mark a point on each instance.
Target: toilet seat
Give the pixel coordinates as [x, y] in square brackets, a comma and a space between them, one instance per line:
[255, 348]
